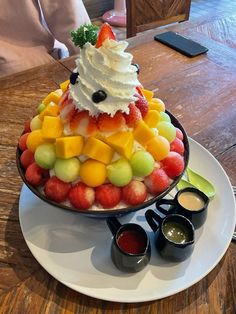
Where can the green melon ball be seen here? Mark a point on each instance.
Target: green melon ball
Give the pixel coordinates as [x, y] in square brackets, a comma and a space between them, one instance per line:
[120, 172]
[45, 155]
[167, 130]
[35, 123]
[67, 170]
[164, 117]
[41, 107]
[142, 163]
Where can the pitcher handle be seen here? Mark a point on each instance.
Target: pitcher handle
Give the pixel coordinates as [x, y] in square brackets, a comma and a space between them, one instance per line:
[153, 218]
[164, 202]
[113, 224]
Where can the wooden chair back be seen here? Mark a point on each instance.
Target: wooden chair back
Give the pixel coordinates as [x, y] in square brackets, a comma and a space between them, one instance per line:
[147, 14]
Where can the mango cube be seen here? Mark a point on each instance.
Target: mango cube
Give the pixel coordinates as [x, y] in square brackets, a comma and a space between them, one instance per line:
[156, 104]
[64, 85]
[98, 150]
[52, 97]
[52, 127]
[142, 133]
[152, 118]
[122, 142]
[34, 139]
[51, 110]
[70, 146]
[147, 93]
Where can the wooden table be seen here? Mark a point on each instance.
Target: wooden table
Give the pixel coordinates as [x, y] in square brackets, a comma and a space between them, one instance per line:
[200, 92]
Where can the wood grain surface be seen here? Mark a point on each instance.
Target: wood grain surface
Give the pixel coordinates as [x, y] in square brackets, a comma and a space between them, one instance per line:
[200, 92]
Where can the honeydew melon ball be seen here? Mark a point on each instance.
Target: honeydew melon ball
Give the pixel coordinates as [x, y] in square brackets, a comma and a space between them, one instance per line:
[41, 107]
[45, 155]
[120, 172]
[142, 163]
[35, 123]
[164, 117]
[167, 130]
[67, 170]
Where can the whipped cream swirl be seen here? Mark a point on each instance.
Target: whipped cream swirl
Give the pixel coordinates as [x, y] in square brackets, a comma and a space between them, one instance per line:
[107, 68]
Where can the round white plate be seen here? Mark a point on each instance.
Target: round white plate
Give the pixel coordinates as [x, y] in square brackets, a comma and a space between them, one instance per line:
[76, 249]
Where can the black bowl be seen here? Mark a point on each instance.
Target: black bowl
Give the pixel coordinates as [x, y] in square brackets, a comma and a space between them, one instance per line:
[104, 213]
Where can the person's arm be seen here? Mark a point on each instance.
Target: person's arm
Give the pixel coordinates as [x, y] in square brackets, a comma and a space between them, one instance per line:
[62, 17]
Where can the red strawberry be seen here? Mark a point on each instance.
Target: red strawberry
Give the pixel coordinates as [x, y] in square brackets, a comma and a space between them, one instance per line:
[142, 105]
[56, 190]
[106, 123]
[26, 158]
[22, 141]
[64, 98]
[134, 193]
[66, 107]
[138, 88]
[27, 126]
[173, 164]
[105, 33]
[177, 146]
[81, 196]
[108, 195]
[157, 181]
[36, 175]
[133, 117]
[179, 134]
[83, 124]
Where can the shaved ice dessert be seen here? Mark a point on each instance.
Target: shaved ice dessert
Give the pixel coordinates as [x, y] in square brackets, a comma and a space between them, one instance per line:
[101, 141]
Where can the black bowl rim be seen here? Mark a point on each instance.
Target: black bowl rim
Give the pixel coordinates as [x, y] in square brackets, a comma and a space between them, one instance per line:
[111, 212]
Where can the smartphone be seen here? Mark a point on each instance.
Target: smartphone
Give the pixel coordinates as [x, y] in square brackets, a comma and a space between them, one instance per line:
[181, 44]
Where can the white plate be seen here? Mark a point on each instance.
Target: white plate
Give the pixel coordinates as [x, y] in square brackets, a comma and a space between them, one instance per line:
[76, 249]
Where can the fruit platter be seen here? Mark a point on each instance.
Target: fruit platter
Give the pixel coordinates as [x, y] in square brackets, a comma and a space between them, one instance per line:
[102, 144]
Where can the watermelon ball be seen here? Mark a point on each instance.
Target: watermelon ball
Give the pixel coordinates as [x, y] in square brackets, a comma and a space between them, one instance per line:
[36, 175]
[173, 164]
[26, 158]
[56, 190]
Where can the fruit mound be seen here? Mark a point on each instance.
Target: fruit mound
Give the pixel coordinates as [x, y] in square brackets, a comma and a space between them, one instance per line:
[107, 161]
[101, 141]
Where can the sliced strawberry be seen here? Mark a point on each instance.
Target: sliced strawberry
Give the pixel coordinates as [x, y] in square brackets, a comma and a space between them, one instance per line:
[56, 190]
[139, 90]
[105, 33]
[142, 105]
[134, 193]
[157, 181]
[66, 107]
[133, 117]
[83, 124]
[108, 195]
[64, 98]
[106, 123]
[67, 112]
[81, 196]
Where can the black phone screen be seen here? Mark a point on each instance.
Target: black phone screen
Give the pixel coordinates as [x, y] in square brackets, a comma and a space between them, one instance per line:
[184, 45]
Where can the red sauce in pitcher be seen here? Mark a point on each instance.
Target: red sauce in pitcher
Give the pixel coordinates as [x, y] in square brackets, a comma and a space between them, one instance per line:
[132, 241]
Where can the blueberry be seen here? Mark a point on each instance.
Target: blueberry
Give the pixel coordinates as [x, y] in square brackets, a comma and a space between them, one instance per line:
[99, 96]
[73, 77]
[137, 66]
